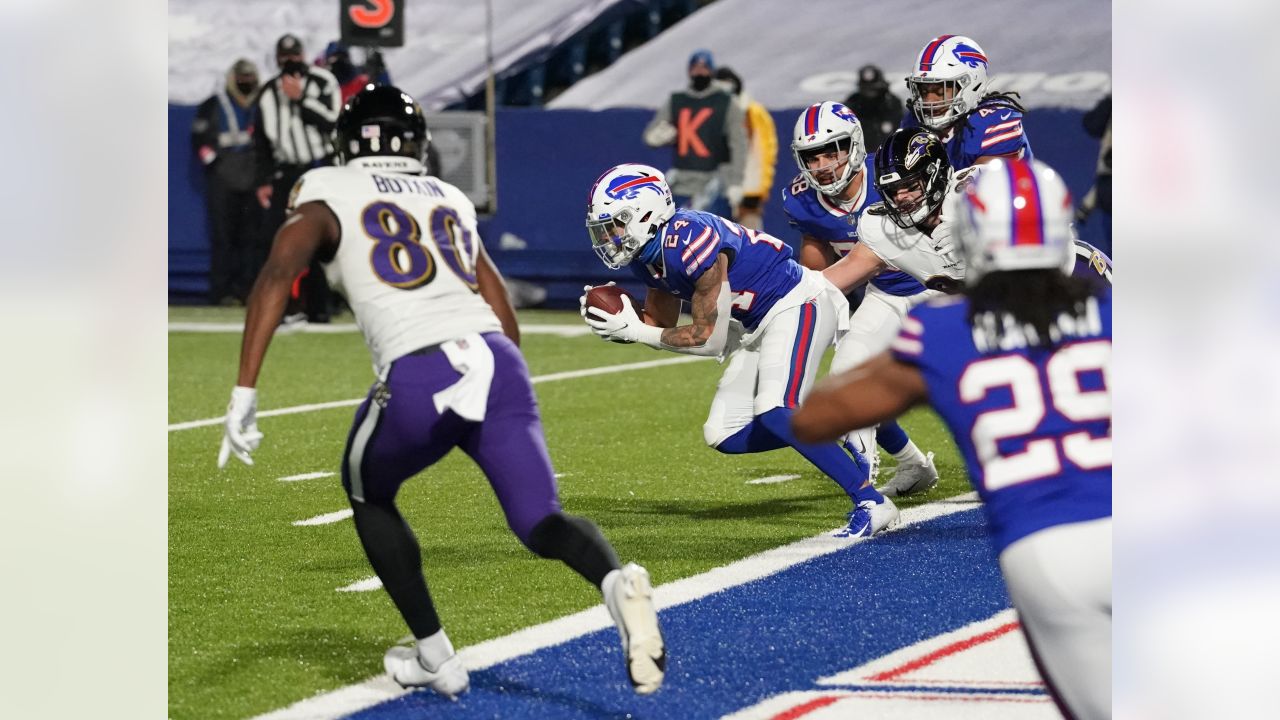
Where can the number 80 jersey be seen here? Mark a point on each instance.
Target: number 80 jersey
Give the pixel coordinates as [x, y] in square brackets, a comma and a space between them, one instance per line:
[1032, 423]
[406, 258]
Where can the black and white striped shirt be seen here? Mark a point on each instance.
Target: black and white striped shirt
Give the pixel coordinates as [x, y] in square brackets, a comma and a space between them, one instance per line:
[297, 132]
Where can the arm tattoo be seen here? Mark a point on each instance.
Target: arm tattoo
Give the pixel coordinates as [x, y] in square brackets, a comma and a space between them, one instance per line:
[704, 310]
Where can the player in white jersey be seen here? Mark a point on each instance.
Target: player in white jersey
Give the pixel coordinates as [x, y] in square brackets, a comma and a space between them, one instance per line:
[904, 232]
[434, 312]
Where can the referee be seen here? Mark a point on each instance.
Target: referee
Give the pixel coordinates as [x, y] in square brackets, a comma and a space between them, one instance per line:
[296, 112]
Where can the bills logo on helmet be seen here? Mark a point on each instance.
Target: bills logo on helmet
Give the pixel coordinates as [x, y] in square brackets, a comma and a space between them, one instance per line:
[843, 112]
[628, 187]
[916, 149]
[969, 55]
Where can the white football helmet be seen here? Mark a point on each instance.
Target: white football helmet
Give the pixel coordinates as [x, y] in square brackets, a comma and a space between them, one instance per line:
[1015, 215]
[960, 66]
[829, 127]
[626, 208]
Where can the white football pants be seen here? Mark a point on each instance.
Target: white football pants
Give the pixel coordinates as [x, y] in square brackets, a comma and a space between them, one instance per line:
[1060, 582]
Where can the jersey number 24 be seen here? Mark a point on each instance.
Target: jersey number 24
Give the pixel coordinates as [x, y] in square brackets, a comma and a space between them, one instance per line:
[1041, 457]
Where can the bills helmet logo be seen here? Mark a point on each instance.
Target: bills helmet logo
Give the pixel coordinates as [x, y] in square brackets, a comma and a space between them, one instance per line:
[629, 187]
[843, 112]
[916, 149]
[969, 55]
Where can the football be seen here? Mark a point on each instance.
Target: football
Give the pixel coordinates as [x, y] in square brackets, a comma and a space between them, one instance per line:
[609, 299]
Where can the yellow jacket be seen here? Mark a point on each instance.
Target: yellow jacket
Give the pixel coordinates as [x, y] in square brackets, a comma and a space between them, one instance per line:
[762, 151]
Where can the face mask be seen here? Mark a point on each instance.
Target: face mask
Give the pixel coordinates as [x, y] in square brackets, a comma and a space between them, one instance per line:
[246, 88]
[700, 82]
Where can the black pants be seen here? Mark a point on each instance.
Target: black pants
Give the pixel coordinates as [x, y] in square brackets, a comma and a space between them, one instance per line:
[314, 295]
[235, 247]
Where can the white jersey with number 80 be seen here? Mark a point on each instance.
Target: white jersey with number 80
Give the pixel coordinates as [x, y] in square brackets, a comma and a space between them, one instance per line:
[406, 259]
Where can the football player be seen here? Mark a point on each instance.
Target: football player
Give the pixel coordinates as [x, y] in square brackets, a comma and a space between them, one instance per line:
[949, 95]
[824, 203]
[788, 316]
[1019, 370]
[434, 313]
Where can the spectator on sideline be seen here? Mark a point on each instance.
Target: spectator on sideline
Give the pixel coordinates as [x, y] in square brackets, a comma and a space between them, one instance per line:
[221, 139]
[297, 110]
[762, 153]
[337, 58]
[1097, 122]
[710, 135]
[876, 108]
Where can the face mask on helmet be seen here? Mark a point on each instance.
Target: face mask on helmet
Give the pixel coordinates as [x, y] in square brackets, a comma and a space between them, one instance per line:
[947, 81]
[626, 209]
[912, 172]
[827, 146]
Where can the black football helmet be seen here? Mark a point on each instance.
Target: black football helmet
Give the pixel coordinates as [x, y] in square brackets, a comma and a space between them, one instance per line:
[382, 120]
[912, 159]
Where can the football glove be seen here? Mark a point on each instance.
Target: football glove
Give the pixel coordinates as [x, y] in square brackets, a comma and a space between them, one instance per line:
[582, 301]
[240, 434]
[624, 327]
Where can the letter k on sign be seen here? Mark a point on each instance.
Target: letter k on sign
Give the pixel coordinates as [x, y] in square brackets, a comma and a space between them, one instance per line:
[687, 133]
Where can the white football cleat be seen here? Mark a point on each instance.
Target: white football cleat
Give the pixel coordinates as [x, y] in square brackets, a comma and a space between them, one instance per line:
[629, 597]
[405, 666]
[870, 517]
[912, 478]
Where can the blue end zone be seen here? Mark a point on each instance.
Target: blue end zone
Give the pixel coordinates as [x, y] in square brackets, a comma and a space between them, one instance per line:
[734, 648]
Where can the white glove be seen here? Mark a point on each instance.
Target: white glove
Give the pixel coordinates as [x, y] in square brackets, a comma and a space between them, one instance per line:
[734, 195]
[624, 327]
[240, 434]
[582, 300]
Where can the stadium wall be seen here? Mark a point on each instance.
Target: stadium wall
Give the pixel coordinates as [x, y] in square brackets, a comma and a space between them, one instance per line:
[547, 160]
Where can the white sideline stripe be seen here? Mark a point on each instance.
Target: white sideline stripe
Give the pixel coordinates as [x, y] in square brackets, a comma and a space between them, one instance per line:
[306, 476]
[770, 480]
[378, 689]
[364, 585]
[327, 518]
[567, 375]
[571, 330]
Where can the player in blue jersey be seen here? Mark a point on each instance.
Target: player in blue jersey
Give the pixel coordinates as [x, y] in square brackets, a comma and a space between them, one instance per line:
[1019, 369]
[824, 203]
[950, 96]
[788, 317]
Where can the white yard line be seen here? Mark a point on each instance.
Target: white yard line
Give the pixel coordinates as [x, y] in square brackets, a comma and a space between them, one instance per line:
[567, 375]
[772, 479]
[325, 519]
[306, 476]
[364, 585]
[378, 689]
[562, 330]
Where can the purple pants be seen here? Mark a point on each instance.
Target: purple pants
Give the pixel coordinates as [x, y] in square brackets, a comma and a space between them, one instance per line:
[397, 433]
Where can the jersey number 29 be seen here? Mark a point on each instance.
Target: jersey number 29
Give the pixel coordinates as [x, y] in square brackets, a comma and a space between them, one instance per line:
[398, 257]
[1040, 458]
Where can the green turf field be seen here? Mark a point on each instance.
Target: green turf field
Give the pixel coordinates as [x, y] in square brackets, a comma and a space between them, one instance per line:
[255, 621]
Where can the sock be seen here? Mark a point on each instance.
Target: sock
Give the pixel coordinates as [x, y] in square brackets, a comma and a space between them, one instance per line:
[434, 650]
[577, 542]
[909, 454]
[892, 437]
[753, 438]
[393, 552]
[830, 458]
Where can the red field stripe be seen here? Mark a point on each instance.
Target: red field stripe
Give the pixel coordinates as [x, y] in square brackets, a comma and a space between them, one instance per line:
[805, 709]
[947, 651]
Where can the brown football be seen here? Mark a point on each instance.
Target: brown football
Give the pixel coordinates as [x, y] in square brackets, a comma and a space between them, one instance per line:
[609, 299]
